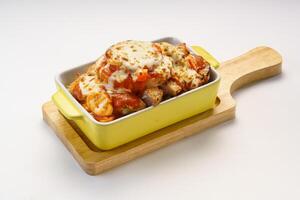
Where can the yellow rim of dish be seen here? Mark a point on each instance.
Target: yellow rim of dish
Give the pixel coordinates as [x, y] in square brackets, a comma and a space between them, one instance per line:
[207, 56]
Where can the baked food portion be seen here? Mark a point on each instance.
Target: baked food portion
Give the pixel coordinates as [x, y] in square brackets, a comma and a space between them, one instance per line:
[132, 75]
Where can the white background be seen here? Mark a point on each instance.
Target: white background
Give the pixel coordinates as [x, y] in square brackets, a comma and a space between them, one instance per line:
[255, 156]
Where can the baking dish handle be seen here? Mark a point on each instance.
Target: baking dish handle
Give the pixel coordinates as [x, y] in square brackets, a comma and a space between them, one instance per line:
[65, 106]
[209, 58]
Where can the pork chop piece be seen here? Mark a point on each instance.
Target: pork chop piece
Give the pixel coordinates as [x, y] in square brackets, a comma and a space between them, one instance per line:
[152, 96]
[171, 88]
[125, 103]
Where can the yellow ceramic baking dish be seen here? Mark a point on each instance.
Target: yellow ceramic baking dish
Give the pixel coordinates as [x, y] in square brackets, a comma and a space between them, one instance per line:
[108, 135]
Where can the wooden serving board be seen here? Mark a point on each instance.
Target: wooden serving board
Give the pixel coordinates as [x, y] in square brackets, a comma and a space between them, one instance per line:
[257, 64]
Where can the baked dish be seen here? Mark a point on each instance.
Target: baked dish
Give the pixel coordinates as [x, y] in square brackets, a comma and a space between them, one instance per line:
[155, 79]
[132, 75]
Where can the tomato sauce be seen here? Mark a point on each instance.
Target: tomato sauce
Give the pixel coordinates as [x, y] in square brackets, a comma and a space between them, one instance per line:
[125, 101]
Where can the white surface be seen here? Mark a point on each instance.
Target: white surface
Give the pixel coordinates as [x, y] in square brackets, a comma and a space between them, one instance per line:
[256, 156]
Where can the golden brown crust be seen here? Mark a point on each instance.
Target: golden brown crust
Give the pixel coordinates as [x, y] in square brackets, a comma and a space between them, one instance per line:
[171, 88]
[100, 104]
[152, 96]
[75, 90]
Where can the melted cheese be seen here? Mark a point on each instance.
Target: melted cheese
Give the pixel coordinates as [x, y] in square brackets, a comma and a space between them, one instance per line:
[136, 73]
[177, 53]
[89, 85]
[101, 106]
[193, 77]
[165, 67]
[119, 75]
[187, 75]
[135, 54]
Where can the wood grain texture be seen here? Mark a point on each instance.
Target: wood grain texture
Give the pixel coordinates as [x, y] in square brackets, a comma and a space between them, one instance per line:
[257, 64]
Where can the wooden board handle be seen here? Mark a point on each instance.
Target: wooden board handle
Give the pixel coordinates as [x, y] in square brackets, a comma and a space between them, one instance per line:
[259, 63]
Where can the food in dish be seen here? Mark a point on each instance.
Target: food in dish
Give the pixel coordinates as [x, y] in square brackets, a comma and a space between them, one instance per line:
[132, 75]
